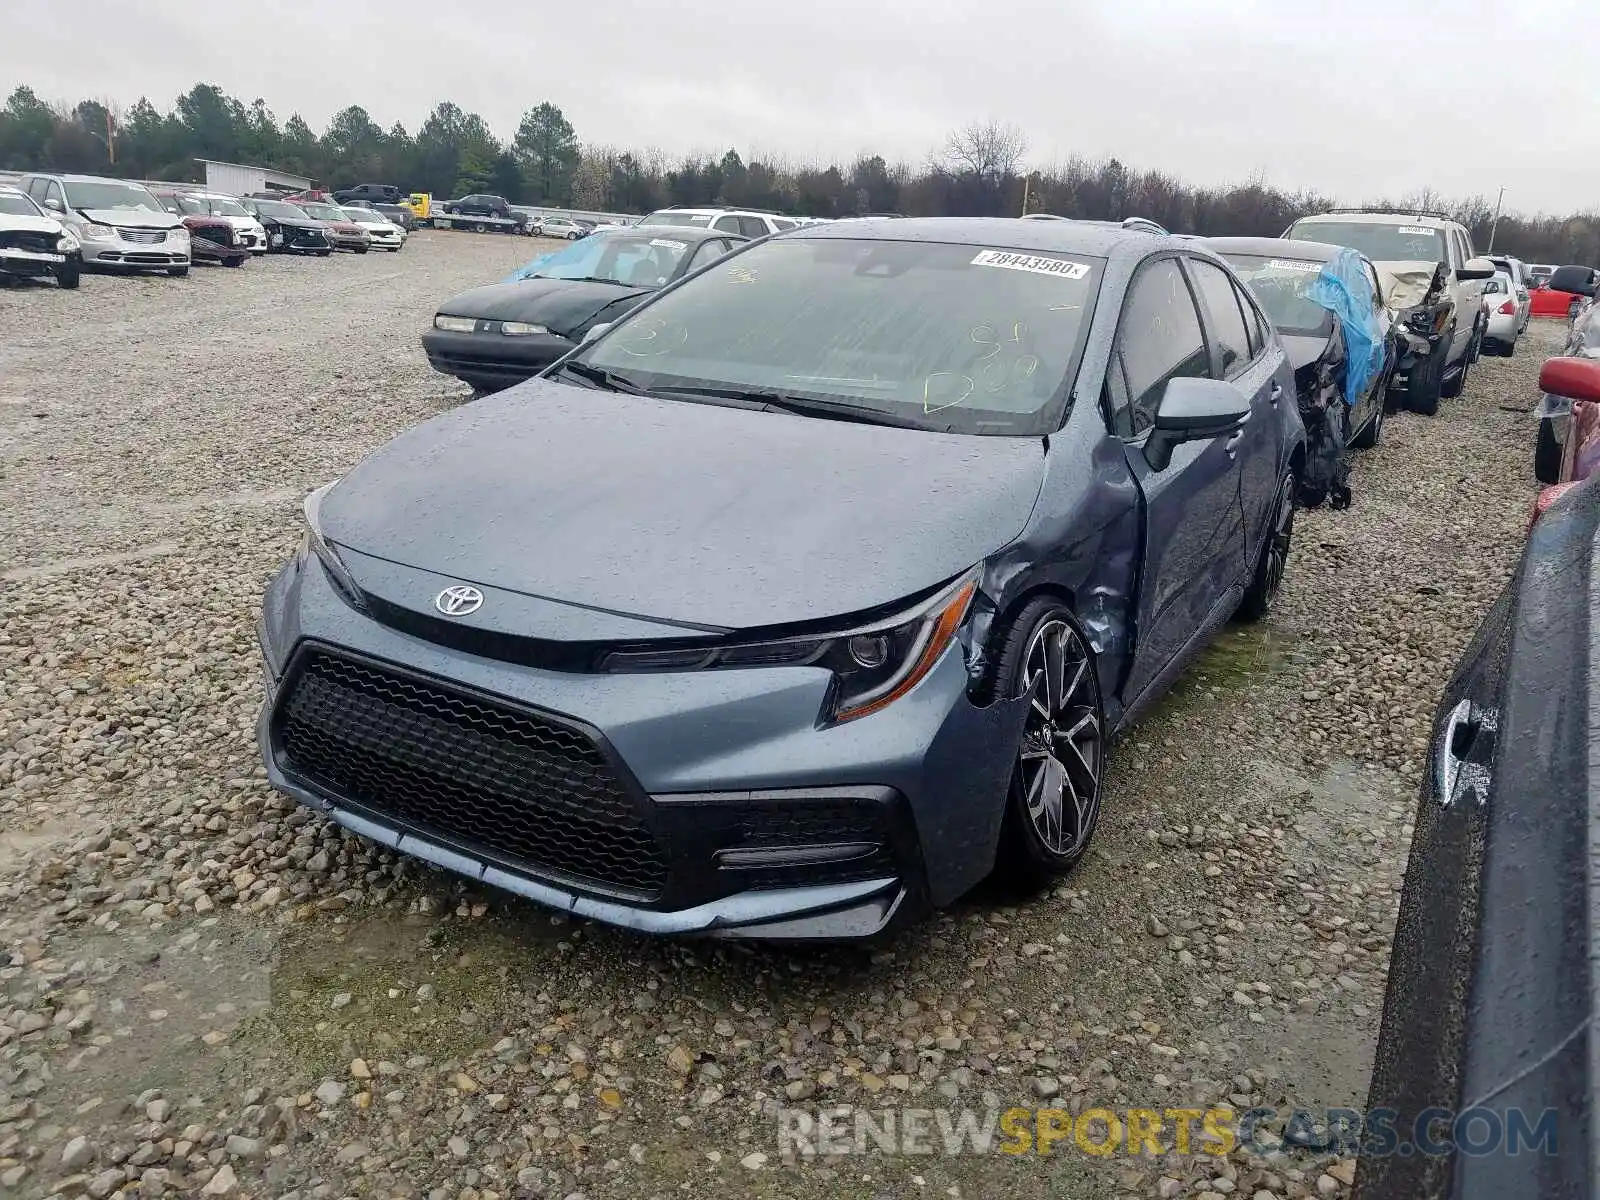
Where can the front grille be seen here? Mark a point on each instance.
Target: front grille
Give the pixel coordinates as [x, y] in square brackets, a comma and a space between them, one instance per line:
[143, 237]
[510, 784]
[220, 235]
[21, 239]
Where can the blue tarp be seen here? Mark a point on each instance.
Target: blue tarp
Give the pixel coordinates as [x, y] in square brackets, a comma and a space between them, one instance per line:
[1344, 289]
[527, 269]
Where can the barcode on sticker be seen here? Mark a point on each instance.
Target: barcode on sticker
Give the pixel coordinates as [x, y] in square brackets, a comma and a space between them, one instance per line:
[1417, 229]
[1060, 267]
[1284, 264]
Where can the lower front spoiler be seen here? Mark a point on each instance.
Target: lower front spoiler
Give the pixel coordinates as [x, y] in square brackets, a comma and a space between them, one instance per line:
[853, 911]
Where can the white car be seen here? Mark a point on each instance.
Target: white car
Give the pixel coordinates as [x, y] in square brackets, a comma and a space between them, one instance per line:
[119, 224]
[743, 221]
[1520, 279]
[1503, 314]
[558, 227]
[34, 245]
[386, 235]
[250, 233]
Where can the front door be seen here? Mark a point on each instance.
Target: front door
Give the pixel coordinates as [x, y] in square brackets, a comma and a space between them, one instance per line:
[1194, 551]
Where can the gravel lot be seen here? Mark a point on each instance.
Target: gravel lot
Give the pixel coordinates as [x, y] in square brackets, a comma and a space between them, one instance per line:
[204, 990]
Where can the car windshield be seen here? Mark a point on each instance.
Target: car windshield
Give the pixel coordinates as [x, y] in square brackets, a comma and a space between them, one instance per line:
[111, 195]
[223, 207]
[16, 205]
[365, 216]
[190, 205]
[940, 336]
[675, 218]
[1379, 242]
[277, 208]
[632, 261]
[1283, 286]
[324, 212]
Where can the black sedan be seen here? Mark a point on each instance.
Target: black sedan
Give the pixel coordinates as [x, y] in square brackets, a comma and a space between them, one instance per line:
[1281, 273]
[289, 229]
[496, 336]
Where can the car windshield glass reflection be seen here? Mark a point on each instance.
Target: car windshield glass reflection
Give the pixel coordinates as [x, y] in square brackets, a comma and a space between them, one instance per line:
[943, 336]
[111, 195]
[17, 206]
[634, 262]
[1283, 286]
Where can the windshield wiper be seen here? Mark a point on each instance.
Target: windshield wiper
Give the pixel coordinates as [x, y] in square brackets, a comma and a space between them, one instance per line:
[580, 279]
[609, 380]
[802, 406]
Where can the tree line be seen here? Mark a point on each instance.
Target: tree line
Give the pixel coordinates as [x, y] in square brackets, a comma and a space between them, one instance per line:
[979, 170]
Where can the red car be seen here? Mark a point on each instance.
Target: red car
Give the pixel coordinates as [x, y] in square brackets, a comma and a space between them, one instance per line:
[211, 239]
[1547, 302]
[1578, 380]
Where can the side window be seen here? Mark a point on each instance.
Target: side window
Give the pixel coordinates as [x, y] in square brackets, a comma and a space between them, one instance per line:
[1224, 321]
[782, 224]
[707, 251]
[1118, 402]
[726, 224]
[53, 191]
[1377, 289]
[753, 227]
[1159, 338]
[1466, 245]
[1252, 321]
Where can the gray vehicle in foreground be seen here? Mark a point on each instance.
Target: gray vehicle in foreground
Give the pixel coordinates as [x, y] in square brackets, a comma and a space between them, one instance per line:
[806, 594]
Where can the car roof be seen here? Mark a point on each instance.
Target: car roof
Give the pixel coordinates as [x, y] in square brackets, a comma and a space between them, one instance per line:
[1276, 247]
[1012, 233]
[716, 210]
[674, 233]
[1398, 217]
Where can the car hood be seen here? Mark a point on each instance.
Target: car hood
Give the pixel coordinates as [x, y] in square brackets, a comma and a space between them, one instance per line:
[344, 227]
[694, 514]
[1303, 349]
[29, 224]
[1406, 284]
[294, 222]
[132, 218]
[561, 305]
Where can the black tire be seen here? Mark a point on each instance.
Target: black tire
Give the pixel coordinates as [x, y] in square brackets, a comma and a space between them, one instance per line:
[324, 253]
[1423, 385]
[361, 249]
[233, 262]
[1371, 432]
[1509, 349]
[69, 274]
[479, 227]
[1043, 837]
[452, 212]
[177, 272]
[1456, 384]
[1273, 559]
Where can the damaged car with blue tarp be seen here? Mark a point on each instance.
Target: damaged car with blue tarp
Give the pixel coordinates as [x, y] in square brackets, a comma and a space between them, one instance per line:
[1328, 306]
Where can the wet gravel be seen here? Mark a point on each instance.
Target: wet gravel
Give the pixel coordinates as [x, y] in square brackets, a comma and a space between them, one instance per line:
[205, 991]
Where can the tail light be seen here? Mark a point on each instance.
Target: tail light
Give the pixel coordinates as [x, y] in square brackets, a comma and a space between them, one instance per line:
[1508, 309]
[1547, 497]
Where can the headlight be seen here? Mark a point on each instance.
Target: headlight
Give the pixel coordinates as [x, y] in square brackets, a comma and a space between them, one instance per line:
[92, 232]
[314, 544]
[873, 665]
[180, 234]
[455, 324]
[521, 327]
[66, 243]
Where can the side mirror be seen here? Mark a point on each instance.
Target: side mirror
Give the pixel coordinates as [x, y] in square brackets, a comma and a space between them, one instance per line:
[1573, 378]
[594, 331]
[52, 203]
[1579, 281]
[1193, 410]
[1476, 268]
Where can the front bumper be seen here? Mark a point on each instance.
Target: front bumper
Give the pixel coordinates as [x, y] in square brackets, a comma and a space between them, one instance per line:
[491, 361]
[31, 263]
[139, 255]
[704, 802]
[349, 241]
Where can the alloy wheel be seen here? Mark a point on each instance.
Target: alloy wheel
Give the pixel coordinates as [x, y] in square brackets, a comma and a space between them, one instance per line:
[1278, 542]
[1062, 741]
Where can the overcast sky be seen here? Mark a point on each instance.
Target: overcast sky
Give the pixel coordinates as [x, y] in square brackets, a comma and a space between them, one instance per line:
[1359, 98]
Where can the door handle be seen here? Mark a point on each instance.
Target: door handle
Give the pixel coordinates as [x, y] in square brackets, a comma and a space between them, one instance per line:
[1231, 446]
[1276, 392]
[1469, 729]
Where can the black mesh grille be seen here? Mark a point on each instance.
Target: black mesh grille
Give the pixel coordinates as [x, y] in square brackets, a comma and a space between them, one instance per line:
[510, 783]
[28, 239]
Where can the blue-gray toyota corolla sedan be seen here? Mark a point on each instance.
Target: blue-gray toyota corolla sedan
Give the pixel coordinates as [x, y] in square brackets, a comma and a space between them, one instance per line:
[805, 596]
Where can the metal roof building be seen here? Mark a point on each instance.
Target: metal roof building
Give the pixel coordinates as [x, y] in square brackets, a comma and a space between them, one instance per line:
[240, 179]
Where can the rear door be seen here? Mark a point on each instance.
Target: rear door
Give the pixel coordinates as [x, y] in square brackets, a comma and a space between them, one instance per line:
[1194, 551]
[1244, 358]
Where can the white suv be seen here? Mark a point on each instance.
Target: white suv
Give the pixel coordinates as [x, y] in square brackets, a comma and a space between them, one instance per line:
[743, 221]
[1432, 277]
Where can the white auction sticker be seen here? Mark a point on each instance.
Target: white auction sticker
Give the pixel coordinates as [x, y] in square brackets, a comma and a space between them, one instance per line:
[668, 244]
[1011, 261]
[1416, 229]
[1284, 264]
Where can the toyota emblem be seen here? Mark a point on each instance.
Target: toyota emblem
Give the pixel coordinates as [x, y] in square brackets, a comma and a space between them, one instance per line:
[458, 600]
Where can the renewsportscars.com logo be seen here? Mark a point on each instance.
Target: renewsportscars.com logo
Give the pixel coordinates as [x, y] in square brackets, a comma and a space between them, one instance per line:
[1142, 1132]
